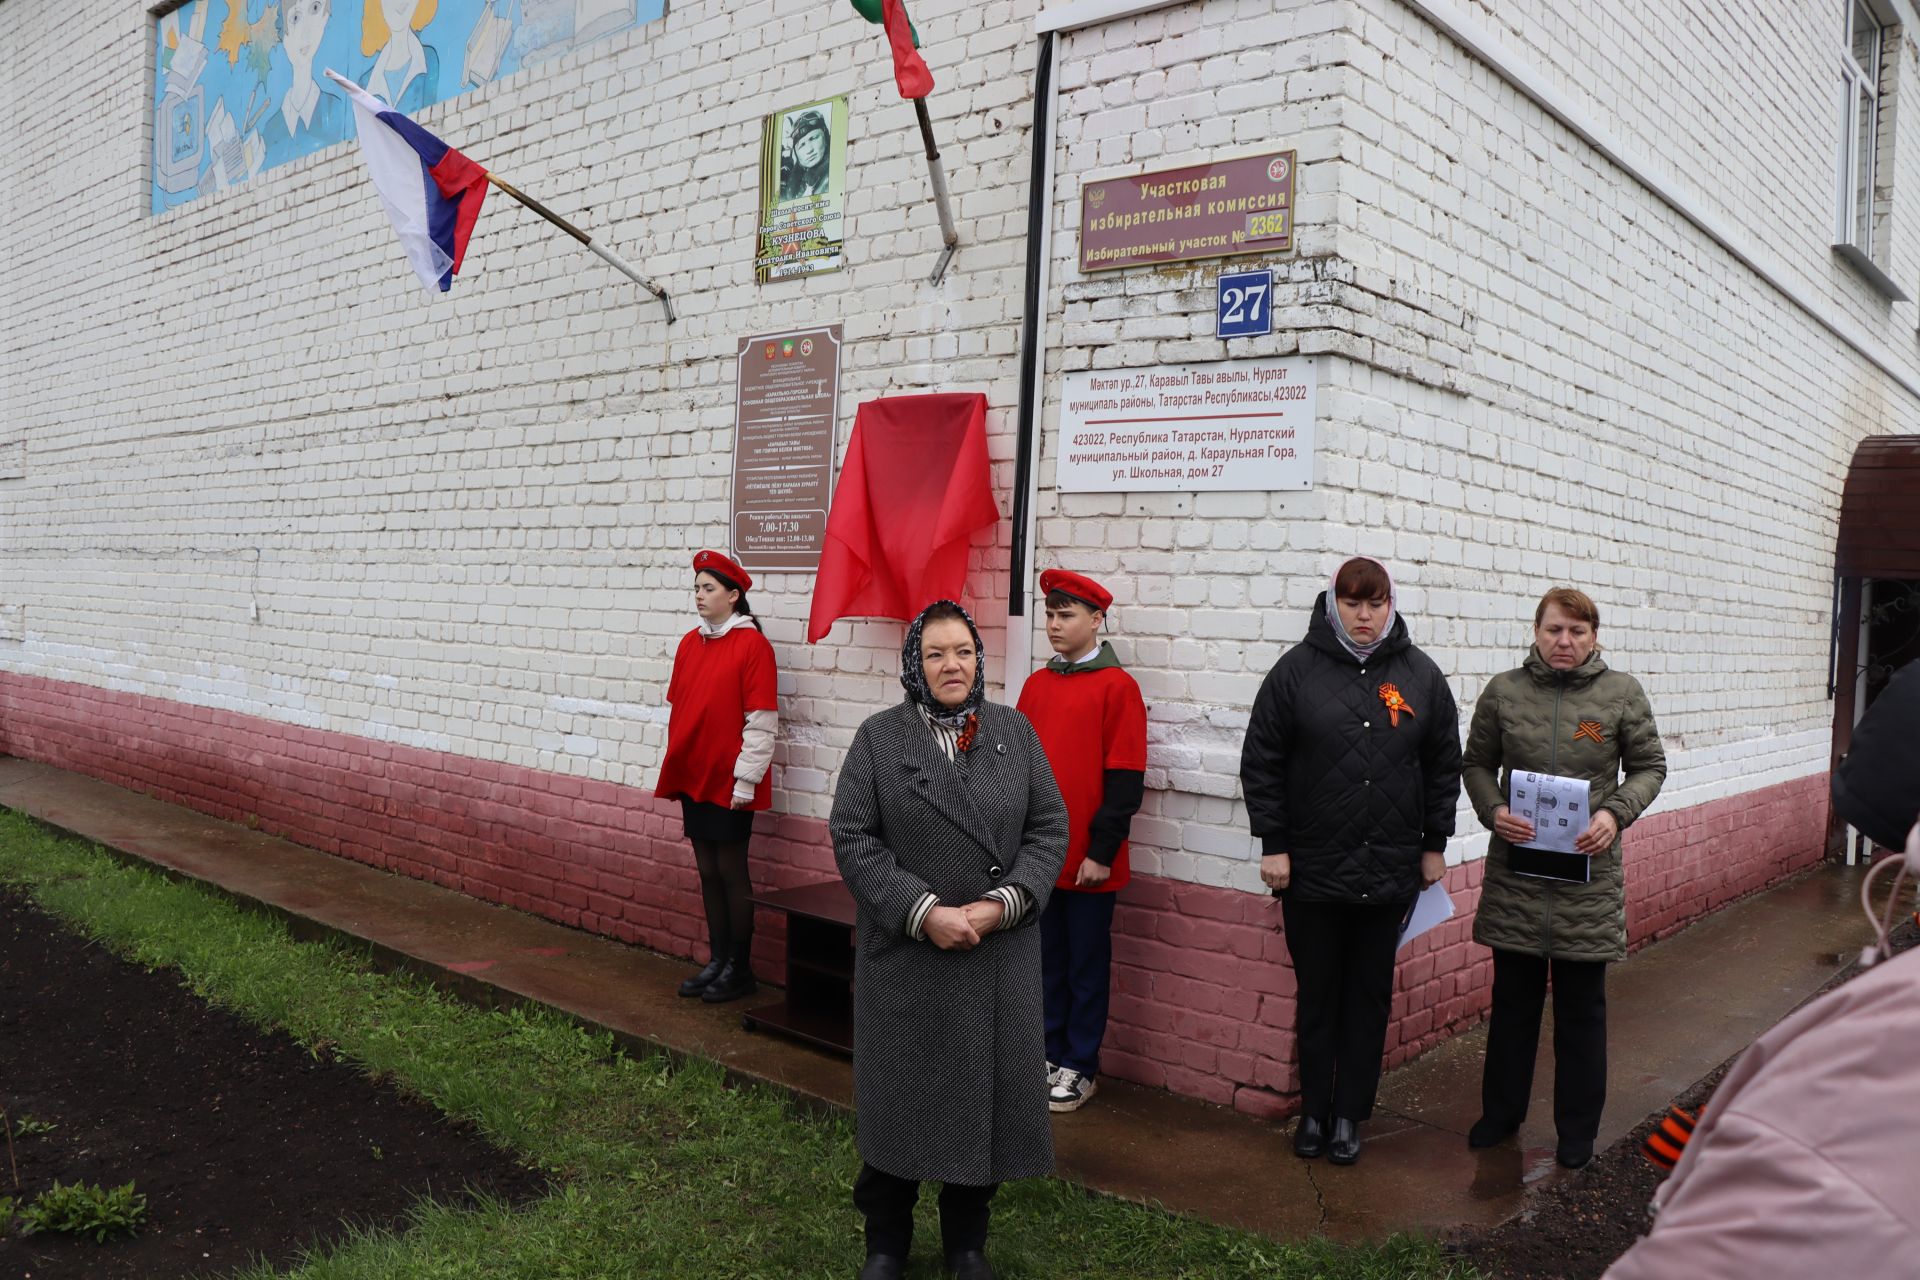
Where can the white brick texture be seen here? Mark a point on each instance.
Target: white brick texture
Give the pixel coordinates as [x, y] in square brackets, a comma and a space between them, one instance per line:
[244, 463]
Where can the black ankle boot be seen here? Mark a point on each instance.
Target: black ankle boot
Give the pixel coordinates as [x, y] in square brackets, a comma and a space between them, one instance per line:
[970, 1264]
[1344, 1146]
[702, 980]
[732, 982]
[1574, 1153]
[1488, 1131]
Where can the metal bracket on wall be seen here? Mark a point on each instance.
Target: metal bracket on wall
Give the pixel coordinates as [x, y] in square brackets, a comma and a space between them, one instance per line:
[940, 201]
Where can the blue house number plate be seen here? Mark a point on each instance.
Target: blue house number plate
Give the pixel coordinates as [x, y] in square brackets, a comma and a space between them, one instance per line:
[1246, 304]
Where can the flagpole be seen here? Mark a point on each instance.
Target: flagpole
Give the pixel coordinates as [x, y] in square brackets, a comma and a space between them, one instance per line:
[601, 251]
[947, 232]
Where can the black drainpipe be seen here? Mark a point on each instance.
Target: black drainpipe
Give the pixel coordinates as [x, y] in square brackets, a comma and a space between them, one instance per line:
[1032, 335]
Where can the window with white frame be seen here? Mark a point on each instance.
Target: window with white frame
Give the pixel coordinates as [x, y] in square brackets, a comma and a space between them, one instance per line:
[1859, 125]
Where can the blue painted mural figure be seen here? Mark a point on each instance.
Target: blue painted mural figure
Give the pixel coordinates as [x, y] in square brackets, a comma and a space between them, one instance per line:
[252, 97]
[406, 73]
[305, 107]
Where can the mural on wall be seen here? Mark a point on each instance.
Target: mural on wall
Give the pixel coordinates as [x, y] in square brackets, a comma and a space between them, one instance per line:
[238, 86]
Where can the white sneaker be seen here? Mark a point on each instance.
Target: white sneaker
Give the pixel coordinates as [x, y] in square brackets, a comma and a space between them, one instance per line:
[1071, 1091]
[1053, 1075]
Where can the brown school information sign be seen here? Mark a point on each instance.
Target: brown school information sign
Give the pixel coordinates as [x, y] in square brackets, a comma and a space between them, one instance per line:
[1177, 215]
[785, 410]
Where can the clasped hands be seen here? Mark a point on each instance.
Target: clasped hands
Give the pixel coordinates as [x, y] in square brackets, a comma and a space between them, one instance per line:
[1596, 839]
[961, 928]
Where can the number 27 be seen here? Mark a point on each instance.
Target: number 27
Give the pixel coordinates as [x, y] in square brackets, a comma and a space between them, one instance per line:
[1250, 297]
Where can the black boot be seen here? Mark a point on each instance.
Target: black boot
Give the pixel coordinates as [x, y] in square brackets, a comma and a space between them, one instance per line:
[702, 980]
[732, 982]
[1489, 1131]
[970, 1265]
[1344, 1146]
[1574, 1153]
[1310, 1138]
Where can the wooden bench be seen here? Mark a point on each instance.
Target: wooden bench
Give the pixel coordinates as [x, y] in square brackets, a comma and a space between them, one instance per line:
[818, 1005]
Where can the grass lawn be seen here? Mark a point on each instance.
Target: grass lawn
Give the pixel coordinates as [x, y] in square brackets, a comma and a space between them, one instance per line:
[659, 1171]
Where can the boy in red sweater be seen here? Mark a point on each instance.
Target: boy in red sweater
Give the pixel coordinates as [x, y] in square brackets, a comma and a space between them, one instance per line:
[1092, 724]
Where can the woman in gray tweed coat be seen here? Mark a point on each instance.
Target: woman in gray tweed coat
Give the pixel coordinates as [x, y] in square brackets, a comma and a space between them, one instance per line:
[949, 831]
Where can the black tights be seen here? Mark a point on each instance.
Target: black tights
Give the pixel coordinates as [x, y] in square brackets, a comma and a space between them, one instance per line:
[724, 890]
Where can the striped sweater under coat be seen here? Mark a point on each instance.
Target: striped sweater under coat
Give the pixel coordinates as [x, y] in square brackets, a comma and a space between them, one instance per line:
[949, 1050]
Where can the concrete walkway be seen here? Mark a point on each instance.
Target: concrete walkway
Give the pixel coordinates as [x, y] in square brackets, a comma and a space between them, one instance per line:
[1677, 1010]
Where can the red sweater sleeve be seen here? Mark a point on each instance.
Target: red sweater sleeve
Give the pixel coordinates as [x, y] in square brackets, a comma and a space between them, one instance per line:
[1124, 733]
[760, 680]
[679, 667]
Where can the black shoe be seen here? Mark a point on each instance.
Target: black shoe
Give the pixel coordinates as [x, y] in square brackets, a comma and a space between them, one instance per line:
[1573, 1153]
[970, 1265]
[1487, 1132]
[883, 1266]
[1344, 1146]
[1310, 1139]
[732, 982]
[702, 980]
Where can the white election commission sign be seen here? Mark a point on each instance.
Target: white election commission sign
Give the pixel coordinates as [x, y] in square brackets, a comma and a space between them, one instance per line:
[1235, 424]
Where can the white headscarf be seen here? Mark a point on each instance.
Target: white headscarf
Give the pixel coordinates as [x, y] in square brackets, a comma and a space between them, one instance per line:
[1347, 642]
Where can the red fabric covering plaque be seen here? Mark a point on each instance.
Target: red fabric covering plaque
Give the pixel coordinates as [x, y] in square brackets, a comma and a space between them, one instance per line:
[914, 488]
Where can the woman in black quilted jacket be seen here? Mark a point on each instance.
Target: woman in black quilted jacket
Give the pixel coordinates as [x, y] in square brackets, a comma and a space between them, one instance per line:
[1351, 770]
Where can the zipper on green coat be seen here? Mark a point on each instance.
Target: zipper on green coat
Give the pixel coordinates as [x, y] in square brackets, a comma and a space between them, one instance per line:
[1553, 767]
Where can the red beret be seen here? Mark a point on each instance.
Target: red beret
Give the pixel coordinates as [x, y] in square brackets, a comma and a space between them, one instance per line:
[717, 563]
[1079, 586]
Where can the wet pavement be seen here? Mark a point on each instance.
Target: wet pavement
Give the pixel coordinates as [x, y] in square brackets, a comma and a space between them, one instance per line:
[1677, 1009]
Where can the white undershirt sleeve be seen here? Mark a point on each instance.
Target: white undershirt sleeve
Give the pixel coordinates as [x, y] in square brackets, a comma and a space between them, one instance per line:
[756, 752]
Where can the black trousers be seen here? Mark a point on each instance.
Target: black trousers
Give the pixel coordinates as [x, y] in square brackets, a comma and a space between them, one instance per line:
[1579, 1041]
[1076, 969]
[887, 1202]
[1343, 968]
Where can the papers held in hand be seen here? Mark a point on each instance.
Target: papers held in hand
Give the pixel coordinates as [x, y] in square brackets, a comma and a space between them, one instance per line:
[1433, 906]
[1557, 808]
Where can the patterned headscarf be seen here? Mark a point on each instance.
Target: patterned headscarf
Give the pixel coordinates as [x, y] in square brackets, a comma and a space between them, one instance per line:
[913, 673]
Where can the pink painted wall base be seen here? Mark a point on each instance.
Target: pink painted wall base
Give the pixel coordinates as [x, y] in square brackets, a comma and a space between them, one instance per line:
[1203, 993]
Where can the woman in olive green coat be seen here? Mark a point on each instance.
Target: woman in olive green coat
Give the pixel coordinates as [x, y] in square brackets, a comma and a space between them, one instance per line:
[1562, 712]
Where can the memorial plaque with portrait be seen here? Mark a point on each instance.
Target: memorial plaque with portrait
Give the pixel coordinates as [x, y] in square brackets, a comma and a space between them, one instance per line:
[803, 182]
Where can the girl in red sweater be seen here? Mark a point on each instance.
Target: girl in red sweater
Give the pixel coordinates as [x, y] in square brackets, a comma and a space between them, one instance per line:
[719, 758]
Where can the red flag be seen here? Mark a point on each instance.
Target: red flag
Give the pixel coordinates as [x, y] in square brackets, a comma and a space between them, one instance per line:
[915, 486]
[909, 68]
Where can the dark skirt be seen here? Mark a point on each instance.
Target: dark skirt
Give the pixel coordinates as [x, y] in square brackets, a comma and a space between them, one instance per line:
[716, 823]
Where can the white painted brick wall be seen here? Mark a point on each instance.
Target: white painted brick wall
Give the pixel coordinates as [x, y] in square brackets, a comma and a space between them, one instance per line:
[465, 522]
[1738, 101]
[1538, 372]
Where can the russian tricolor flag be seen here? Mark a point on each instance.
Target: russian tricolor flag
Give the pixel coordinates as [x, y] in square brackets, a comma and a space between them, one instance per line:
[431, 191]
